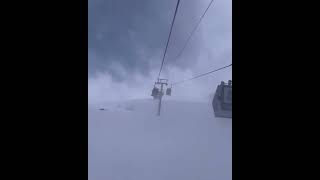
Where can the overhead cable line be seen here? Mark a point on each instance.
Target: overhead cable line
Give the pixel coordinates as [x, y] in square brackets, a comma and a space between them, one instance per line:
[165, 51]
[194, 29]
[198, 76]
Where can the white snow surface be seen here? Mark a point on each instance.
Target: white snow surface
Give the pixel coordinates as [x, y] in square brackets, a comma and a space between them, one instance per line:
[127, 141]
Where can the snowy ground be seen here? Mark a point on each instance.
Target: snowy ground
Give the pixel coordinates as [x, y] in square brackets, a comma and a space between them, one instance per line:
[127, 141]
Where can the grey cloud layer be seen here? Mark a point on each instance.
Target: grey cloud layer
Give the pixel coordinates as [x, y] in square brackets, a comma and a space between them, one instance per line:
[127, 40]
[119, 29]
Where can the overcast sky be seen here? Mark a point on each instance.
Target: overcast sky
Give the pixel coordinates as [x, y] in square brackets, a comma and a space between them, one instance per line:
[127, 40]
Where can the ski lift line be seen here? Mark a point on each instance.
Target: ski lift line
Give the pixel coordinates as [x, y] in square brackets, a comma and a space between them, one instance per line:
[165, 51]
[194, 29]
[198, 76]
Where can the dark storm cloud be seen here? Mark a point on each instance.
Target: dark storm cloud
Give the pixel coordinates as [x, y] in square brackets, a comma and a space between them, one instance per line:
[127, 39]
[133, 34]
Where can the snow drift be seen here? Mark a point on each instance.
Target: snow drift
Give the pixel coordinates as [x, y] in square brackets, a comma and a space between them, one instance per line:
[127, 141]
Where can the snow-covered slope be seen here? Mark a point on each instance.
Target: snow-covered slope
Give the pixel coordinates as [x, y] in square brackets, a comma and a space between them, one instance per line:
[127, 141]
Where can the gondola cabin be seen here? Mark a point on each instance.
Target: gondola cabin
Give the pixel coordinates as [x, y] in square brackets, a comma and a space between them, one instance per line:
[168, 92]
[222, 100]
[155, 92]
